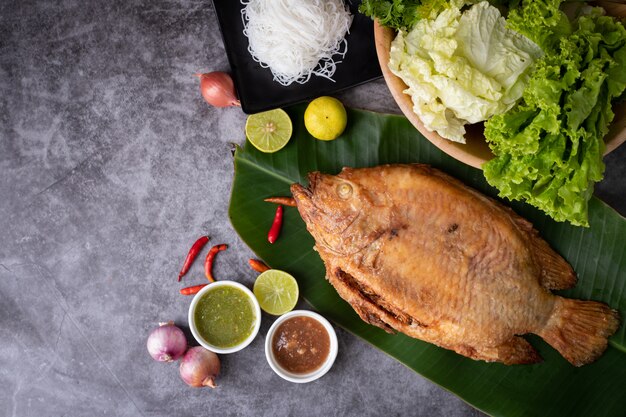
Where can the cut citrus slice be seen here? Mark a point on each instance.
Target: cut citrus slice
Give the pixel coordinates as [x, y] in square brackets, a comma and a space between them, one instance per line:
[276, 291]
[269, 131]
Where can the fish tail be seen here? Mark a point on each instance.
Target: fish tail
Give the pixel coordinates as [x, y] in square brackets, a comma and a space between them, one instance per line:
[579, 330]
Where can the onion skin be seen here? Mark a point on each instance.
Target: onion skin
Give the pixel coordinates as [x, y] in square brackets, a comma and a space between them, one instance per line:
[200, 367]
[218, 89]
[167, 343]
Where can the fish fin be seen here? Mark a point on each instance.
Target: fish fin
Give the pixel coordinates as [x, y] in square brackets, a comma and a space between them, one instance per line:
[518, 351]
[363, 307]
[579, 330]
[555, 272]
[515, 351]
[369, 316]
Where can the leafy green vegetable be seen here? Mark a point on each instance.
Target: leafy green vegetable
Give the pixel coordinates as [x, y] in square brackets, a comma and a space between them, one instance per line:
[462, 67]
[401, 14]
[404, 14]
[549, 148]
[541, 21]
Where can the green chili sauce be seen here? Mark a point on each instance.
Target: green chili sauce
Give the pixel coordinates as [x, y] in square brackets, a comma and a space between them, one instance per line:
[225, 316]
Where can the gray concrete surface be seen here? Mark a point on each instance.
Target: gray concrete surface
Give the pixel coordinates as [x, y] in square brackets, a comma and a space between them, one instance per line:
[110, 166]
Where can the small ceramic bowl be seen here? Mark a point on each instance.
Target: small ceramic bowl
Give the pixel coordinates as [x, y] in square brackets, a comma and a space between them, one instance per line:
[312, 376]
[194, 329]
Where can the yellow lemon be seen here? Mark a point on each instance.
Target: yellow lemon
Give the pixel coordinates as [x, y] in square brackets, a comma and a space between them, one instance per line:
[325, 118]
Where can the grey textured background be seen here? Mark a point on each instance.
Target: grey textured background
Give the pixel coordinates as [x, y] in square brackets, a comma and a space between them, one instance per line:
[110, 166]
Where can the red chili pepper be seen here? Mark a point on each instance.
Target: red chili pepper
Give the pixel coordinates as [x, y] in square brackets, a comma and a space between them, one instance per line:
[193, 252]
[208, 263]
[192, 290]
[258, 266]
[286, 201]
[276, 225]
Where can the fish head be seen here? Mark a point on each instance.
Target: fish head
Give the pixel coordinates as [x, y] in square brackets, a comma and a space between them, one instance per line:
[333, 209]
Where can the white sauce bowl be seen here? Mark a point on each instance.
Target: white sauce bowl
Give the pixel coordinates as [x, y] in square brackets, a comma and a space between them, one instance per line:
[192, 321]
[311, 376]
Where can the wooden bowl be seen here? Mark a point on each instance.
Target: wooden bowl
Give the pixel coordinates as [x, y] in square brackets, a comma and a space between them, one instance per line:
[476, 152]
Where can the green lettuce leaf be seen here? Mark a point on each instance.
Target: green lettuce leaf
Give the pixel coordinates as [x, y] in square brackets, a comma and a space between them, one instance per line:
[549, 147]
[541, 21]
[462, 67]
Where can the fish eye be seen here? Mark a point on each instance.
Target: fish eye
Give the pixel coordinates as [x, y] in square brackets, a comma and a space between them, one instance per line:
[344, 190]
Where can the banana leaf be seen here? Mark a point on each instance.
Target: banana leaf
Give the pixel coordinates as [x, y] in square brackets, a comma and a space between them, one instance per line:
[598, 254]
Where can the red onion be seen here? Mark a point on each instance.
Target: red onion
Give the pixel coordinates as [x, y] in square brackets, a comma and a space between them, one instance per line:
[200, 367]
[218, 89]
[167, 342]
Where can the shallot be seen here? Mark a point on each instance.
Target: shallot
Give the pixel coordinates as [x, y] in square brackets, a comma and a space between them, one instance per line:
[167, 342]
[200, 367]
[218, 89]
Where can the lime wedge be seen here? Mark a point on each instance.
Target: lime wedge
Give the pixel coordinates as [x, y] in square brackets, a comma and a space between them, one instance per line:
[276, 291]
[269, 131]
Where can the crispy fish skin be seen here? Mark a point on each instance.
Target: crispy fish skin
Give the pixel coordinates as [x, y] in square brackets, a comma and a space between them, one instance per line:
[417, 251]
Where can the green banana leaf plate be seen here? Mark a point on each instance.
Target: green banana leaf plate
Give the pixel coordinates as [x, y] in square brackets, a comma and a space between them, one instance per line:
[597, 253]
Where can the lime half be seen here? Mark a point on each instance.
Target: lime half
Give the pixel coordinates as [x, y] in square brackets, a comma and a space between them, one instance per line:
[269, 131]
[276, 291]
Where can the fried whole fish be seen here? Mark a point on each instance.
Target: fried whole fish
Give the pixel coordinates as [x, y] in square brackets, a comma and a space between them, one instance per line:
[415, 250]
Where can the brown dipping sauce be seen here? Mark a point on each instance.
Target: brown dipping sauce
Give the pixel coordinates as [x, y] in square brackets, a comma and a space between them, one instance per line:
[301, 345]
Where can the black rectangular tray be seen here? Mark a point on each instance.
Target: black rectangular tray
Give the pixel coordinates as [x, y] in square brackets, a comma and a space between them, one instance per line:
[255, 87]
